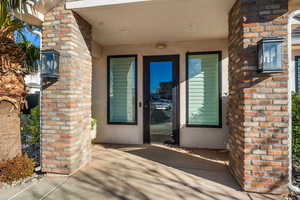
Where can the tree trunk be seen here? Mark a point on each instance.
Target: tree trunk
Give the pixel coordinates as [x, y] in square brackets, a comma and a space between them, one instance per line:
[12, 93]
[10, 137]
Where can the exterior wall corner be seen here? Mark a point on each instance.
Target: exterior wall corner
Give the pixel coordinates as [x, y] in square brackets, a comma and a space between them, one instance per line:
[258, 103]
[66, 102]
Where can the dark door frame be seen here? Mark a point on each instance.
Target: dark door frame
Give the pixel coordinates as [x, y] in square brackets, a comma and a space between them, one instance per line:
[297, 73]
[175, 93]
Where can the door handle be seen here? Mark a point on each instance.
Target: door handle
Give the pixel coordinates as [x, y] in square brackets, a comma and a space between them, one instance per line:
[146, 105]
[141, 105]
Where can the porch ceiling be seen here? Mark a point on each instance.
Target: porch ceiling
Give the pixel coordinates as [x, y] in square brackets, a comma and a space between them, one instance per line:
[155, 21]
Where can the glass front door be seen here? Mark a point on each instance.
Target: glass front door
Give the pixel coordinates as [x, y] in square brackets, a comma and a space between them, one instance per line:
[160, 102]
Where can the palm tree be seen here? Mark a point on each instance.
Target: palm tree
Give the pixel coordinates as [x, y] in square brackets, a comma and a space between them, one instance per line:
[32, 54]
[13, 63]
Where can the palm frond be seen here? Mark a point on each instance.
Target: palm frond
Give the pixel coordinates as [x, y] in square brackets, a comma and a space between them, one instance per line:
[32, 56]
[3, 12]
[9, 6]
[13, 28]
[12, 5]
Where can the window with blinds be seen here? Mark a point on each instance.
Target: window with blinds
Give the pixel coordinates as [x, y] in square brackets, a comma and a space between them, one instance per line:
[203, 96]
[297, 70]
[122, 90]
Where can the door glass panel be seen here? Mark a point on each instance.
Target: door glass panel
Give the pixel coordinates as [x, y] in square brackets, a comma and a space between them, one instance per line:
[161, 81]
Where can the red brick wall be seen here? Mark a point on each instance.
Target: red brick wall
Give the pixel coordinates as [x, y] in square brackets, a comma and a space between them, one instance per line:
[235, 122]
[66, 103]
[258, 103]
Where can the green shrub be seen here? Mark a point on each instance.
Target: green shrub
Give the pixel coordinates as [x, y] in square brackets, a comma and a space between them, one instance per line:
[16, 169]
[296, 127]
[93, 123]
[24, 121]
[31, 126]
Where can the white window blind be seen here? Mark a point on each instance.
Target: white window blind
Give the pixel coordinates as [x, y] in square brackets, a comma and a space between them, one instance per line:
[122, 90]
[203, 89]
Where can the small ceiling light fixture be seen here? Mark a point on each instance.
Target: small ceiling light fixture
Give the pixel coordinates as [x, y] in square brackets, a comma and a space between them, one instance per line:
[161, 45]
[124, 30]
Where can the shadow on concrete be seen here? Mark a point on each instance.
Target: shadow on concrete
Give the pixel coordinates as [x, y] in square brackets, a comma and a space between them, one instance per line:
[146, 172]
[152, 172]
[208, 164]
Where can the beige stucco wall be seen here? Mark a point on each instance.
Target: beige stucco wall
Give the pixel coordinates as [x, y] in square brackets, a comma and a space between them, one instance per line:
[189, 137]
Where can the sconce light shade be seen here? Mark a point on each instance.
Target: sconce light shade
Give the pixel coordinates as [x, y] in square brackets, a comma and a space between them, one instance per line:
[50, 64]
[270, 55]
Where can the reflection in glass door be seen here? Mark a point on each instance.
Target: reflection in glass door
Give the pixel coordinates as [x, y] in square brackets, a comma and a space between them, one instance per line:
[161, 99]
[161, 104]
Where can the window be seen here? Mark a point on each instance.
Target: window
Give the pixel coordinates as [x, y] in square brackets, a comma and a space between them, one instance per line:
[122, 90]
[297, 72]
[203, 89]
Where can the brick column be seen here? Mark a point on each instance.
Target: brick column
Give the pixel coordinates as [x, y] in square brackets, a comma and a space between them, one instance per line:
[258, 103]
[66, 104]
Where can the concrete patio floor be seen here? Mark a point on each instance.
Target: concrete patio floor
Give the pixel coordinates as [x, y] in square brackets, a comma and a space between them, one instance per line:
[145, 172]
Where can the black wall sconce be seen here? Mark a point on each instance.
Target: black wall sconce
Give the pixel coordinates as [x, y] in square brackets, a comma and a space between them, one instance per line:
[270, 55]
[50, 64]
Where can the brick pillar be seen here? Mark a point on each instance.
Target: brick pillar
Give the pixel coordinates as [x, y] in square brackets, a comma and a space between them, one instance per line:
[258, 103]
[66, 103]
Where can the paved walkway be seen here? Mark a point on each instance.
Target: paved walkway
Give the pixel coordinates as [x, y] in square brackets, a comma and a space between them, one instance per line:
[148, 172]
